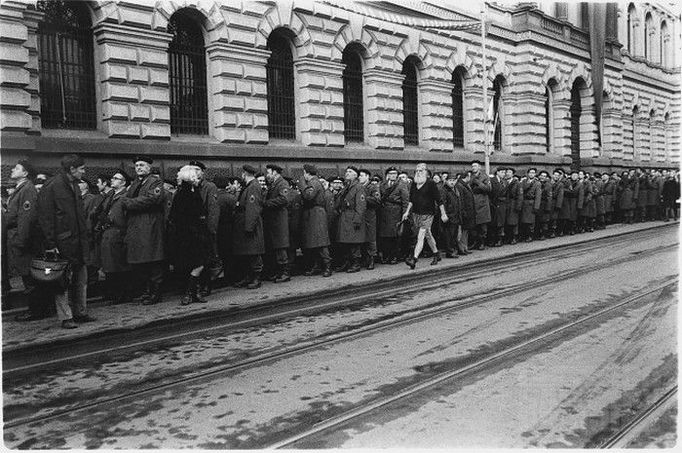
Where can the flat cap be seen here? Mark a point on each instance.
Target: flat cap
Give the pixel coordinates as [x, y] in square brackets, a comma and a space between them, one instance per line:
[196, 163]
[390, 169]
[249, 169]
[147, 159]
[335, 178]
[274, 167]
[354, 168]
[310, 169]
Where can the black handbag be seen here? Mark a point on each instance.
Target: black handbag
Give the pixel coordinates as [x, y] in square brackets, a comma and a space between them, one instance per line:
[51, 270]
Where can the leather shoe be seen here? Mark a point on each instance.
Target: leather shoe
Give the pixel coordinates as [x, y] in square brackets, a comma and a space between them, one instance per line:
[69, 324]
[84, 318]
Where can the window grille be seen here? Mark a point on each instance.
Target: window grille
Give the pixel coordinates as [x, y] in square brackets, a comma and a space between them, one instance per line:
[575, 111]
[548, 117]
[497, 118]
[66, 66]
[457, 110]
[410, 100]
[187, 76]
[353, 121]
[280, 81]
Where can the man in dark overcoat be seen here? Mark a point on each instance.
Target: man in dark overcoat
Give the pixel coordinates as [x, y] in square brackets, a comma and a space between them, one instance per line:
[111, 226]
[544, 215]
[144, 205]
[226, 202]
[468, 210]
[248, 241]
[569, 208]
[514, 205]
[480, 186]
[294, 206]
[209, 198]
[450, 229]
[394, 200]
[532, 197]
[498, 205]
[276, 223]
[557, 201]
[62, 220]
[314, 225]
[373, 200]
[351, 206]
[609, 194]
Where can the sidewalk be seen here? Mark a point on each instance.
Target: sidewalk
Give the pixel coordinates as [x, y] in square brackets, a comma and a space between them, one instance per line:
[16, 335]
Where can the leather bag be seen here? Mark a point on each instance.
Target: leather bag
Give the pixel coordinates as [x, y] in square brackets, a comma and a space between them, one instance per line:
[51, 270]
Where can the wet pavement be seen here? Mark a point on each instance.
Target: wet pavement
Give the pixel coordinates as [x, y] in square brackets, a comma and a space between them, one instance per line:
[134, 316]
[253, 407]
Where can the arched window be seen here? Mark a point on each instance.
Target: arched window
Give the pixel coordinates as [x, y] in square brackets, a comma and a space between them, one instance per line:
[353, 121]
[458, 107]
[549, 114]
[410, 102]
[665, 57]
[648, 30]
[66, 66]
[668, 133]
[652, 135]
[280, 82]
[576, 112]
[631, 28]
[187, 74]
[498, 111]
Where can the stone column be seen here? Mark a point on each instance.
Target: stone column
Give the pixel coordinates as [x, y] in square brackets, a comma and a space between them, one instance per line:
[15, 77]
[436, 115]
[238, 101]
[134, 81]
[320, 97]
[384, 107]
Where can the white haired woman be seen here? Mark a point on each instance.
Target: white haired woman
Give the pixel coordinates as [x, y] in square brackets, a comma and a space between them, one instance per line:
[191, 238]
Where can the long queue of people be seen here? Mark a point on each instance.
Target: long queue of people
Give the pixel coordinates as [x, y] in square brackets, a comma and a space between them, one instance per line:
[268, 227]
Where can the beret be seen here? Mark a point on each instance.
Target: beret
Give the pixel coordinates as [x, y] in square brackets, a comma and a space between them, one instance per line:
[310, 168]
[147, 159]
[196, 163]
[249, 169]
[274, 167]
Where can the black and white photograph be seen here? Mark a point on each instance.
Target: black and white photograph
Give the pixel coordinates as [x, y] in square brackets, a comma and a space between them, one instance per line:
[340, 224]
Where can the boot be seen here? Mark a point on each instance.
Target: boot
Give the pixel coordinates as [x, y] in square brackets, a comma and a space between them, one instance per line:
[498, 243]
[189, 292]
[327, 270]
[204, 285]
[370, 263]
[481, 245]
[197, 295]
[514, 240]
[355, 267]
[436, 258]
[411, 261]
[243, 282]
[154, 294]
[343, 267]
[255, 283]
[283, 276]
[312, 271]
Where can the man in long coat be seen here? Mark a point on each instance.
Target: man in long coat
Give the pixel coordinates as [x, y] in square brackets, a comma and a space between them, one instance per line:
[351, 206]
[557, 201]
[62, 220]
[314, 225]
[276, 223]
[145, 209]
[498, 205]
[468, 222]
[23, 237]
[544, 215]
[248, 241]
[450, 231]
[480, 186]
[294, 206]
[373, 199]
[394, 200]
[609, 195]
[111, 226]
[532, 198]
[569, 208]
[514, 204]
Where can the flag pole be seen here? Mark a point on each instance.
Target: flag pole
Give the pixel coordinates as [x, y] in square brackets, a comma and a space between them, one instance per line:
[486, 145]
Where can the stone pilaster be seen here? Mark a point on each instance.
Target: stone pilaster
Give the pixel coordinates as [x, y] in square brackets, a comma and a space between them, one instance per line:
[134, 81]
[474, 114]
[384, 109]
[320, 99]
[15, 77]
[239, 93]
[612, 134]
[589, 144]
[562, 127]
[525, 129]
[436, 115]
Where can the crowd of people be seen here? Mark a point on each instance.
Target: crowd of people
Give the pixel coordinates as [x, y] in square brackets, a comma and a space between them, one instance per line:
[134, 230]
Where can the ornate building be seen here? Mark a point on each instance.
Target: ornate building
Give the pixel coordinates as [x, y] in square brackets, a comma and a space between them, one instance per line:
[332, 82]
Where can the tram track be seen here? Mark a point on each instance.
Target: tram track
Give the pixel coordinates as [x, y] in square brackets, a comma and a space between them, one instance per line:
[629, 431]
[405, 318]
[365, 410]
[38, 357]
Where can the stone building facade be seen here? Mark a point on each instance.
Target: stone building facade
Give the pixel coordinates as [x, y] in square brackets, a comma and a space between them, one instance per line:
[539, 74]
